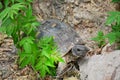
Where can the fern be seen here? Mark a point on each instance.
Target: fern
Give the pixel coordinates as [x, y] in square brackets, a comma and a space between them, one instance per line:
[115, 0]
[11, 11]
[114, 17]
[100, 39]
[114, 20]
[19, 22]
[113, 37]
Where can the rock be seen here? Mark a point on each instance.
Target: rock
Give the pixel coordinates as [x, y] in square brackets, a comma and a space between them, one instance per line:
[87, 1]
[69, 1]
[0, 73]
[77, 2]
[6, 74]
[22, 78]
[1, 38]
[101, 67]
[71, 78]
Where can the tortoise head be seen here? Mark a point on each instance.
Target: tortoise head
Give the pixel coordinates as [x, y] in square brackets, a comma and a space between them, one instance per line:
[79, 50]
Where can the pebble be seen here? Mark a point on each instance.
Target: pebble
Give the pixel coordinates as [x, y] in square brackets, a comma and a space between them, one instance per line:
[0, 73]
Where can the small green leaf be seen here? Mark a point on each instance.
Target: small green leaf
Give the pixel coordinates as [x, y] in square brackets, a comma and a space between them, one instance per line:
[10, 30]
[12, 13]
[50, 64]
[25, 59]
[27, 47]
[115, 0]
[100, 39]
[29, 0]
[111, 37]
[17, 6]
[35, 24]
[39, 65]
[26, 39]
[44, 53]
[33, 60]
[12, 1]
[4, 13]
[6, 2]
[113, 17]
[60, 59]
[2, 29]
[43, 71]
[1, 5]
[27, 43]
[29, 11]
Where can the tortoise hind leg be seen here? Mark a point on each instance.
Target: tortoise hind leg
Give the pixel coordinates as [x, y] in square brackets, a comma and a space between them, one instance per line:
[60, 79]
[62, 73]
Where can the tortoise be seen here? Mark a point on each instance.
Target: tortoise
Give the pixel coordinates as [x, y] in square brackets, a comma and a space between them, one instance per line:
[69, 43]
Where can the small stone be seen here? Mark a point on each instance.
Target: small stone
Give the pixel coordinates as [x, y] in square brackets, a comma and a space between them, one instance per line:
[87, 1]
[76, 2]
[0, 78]
[71, 78]
[69, 1]
[22, 78]
[6, 73]
[1, 73]
[15, 67]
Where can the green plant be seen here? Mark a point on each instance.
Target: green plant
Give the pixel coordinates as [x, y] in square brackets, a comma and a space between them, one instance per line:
[113, 20]
[114, 36]
[19, 23]
[115, 0]
[100, 39]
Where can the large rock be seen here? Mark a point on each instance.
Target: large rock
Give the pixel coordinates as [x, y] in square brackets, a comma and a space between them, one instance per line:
[101, 67]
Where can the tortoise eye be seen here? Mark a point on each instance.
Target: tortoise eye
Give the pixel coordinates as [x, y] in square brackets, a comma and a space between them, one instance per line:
[78, 50]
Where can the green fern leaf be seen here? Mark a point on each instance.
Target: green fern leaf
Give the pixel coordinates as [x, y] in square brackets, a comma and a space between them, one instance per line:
[6, 2]
[49, 63]
[43, 71]
[17, 6]
[4, 13]
[27, 43]
[115, 0]
[1, 5]
[113, 17]
[12, 1]
[25, 59]
[111, 37]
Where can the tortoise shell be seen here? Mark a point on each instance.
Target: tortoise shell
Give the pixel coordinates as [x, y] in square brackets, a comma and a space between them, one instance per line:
[64, 35]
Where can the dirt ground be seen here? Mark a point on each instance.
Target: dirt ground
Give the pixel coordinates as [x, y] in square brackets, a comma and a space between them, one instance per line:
[87, 17]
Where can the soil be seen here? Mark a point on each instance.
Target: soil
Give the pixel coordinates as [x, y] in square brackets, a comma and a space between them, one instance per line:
[87, 17]
[9, 69]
